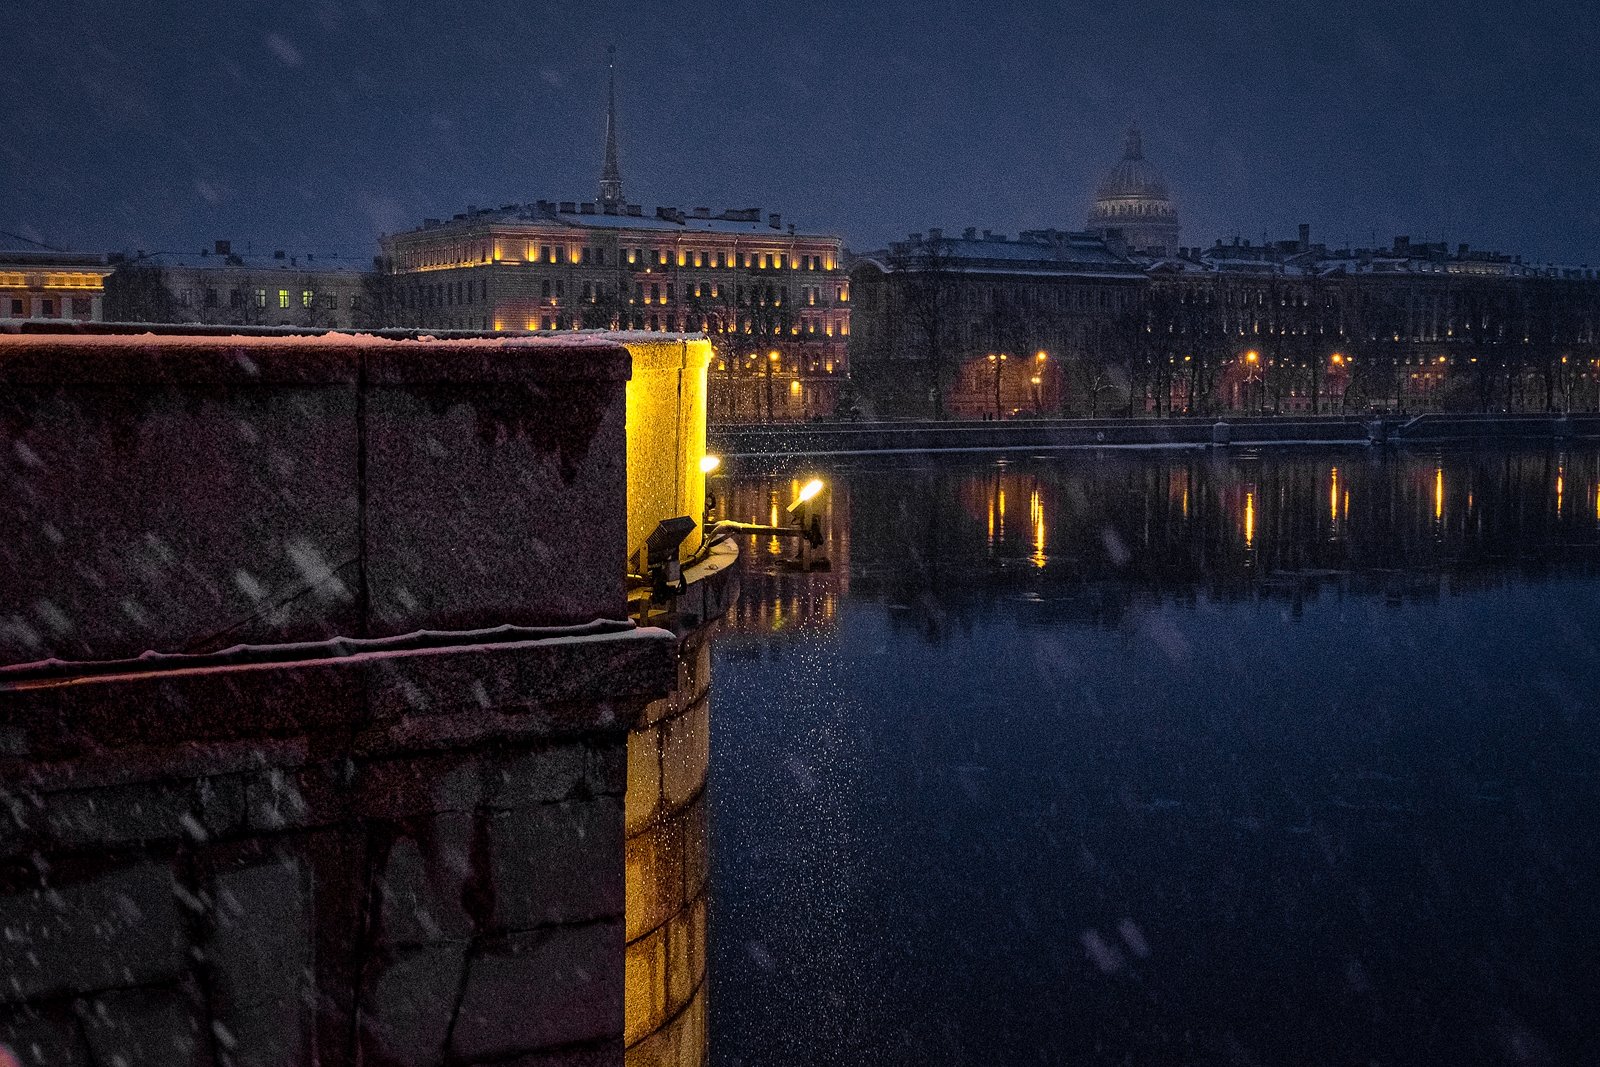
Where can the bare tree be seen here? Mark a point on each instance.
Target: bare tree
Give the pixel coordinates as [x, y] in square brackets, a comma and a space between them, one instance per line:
[925, 271]
[139, 292]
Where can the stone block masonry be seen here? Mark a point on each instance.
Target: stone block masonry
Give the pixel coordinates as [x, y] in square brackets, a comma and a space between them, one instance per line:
[312, 724]
[668, 867]
[323, 882]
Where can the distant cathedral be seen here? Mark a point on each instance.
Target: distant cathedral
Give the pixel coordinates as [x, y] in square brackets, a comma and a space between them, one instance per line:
[1133, 199]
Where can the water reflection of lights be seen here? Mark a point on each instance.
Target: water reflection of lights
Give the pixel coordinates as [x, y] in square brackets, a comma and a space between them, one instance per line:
[1249, 519]
[1333, 497]
[1036, 516]
[1438, 493]
[1561, 485]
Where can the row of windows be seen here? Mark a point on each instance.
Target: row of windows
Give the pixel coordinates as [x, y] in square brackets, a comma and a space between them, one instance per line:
[636, 256]
[444, 294]
[261, 298]
[1037, 297]
[52, 307]
[811, 329]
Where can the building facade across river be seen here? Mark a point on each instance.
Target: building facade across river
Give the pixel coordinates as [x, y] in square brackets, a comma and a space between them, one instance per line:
[774, 299]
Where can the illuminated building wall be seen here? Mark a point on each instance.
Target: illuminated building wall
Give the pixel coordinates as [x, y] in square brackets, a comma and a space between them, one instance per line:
[41, 283]
[666, 415]
[751, 285]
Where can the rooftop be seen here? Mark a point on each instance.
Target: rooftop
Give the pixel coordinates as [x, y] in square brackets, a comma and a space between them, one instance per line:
[222, 257]
[591, 215]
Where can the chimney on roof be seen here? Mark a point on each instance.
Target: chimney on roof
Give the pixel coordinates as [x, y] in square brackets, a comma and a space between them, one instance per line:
[1462, 250]
[224, 248]
[1402, 245]
[279, 254]
[586, 208]
[935, 233]
[1305, 236]
[775, 220]
[569, 206]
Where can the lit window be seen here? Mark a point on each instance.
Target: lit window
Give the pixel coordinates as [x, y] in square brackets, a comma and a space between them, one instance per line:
[306, 297]
[283, 298]
[261, 298]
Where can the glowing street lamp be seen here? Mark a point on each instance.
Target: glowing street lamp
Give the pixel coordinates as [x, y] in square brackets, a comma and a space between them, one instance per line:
[808, 524]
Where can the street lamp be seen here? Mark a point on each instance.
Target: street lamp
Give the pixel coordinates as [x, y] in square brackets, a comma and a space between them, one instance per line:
[1252, 360]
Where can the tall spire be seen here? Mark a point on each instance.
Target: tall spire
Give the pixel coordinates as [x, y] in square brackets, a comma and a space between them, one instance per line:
[610, 173]
[1134, 148]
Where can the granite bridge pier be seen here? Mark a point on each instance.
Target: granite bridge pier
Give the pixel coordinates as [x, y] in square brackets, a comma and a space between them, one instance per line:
[329, 731]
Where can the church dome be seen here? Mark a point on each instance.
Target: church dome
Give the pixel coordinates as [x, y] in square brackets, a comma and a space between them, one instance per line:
[1133, 199]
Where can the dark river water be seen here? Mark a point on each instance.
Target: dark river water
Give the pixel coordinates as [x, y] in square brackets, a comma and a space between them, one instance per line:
[1164, 758]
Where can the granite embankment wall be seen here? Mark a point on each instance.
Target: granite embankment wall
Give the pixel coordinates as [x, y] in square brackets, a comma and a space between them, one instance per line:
[1041, 434]
[373, 833]
[668, 869]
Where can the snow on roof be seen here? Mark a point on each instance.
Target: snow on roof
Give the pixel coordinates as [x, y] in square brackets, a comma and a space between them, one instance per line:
[1069, 255]
[15, 247]
[677, 221]
[688, 224]
[297, 263]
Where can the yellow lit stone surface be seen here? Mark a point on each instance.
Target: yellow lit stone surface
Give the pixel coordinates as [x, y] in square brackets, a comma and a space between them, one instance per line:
[644, 777]
[645, 985]
[680, 1043]
[654, 885]
[668, 863]
[686, 753]
[697, 946]
[666, 420]
[680, 962]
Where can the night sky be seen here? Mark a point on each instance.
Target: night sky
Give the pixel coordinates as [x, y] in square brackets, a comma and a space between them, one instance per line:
[317, 124]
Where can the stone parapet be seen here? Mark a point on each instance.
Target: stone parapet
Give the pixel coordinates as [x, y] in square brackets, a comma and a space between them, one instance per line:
[187, 493]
